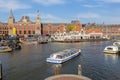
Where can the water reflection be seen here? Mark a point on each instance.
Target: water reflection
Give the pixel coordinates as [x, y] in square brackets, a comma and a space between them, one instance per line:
[29, 63]
[111, 57]
[56, 65]
[57, 68]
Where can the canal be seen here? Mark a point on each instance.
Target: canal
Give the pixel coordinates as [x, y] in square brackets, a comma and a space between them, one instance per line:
[29, 63]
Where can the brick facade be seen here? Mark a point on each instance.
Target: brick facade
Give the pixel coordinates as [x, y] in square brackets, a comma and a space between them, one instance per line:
[109, 30]
[26, 27]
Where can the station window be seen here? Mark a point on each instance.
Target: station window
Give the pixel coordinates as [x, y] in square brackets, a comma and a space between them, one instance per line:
[33, 32]
[20, 32]
[24, 32]
[29, 32]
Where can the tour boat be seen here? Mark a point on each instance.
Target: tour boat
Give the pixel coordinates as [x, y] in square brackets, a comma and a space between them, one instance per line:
[30, 41]
[111, 49]
[5, 49]
[63, 56]
[42, 40]
[75, 36]
[116, 44]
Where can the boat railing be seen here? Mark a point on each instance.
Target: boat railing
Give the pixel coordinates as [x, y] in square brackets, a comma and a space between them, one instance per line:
[64, 54]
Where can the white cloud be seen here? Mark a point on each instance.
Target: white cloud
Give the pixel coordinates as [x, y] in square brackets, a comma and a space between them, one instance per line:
[50, 2]
[105, 1]
[83, 17]
[112, 1]
[88, 6]
[91, 6]
[88, 15]
[12, 4]
[52, 19]
[33, 15]
[97, 18]
[109, 1]
[111, 20]
[47, 18]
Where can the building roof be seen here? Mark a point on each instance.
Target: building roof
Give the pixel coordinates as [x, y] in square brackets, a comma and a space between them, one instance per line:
[93, 31]
[11, 14]
[25, 19]
[55, 24]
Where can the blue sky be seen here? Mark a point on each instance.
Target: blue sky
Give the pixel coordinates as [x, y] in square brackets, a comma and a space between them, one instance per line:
[63, 11]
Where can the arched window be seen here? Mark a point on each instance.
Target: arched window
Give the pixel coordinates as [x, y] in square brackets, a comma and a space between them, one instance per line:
[38, 28]
[33, 32]
[29, 32]
[24, 32]
[20, 32]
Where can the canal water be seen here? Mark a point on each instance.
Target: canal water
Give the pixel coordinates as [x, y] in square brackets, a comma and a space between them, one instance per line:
[29, 63]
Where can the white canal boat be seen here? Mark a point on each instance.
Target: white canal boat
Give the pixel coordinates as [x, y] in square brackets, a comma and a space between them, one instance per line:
[112, 49]
[5, 48]
[63, 56]
[116, 44]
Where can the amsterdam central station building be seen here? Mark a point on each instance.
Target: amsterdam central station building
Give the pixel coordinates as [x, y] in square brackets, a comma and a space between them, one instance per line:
[25, 27]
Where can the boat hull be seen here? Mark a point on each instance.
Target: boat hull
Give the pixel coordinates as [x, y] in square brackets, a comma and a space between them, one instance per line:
[42, 42]
[62, 60]
[6, 50]
[109, 51]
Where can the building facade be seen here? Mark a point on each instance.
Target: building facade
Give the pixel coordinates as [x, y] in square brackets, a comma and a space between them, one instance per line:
[107, 30]
[51, 28]
[25, 26]
[3, 29]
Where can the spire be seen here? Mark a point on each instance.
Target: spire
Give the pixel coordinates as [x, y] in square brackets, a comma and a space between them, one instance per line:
[38, 21]
[11, 14]
[11, 19]
[38, 15]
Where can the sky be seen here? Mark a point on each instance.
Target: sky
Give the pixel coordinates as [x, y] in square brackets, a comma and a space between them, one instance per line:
[63, 11]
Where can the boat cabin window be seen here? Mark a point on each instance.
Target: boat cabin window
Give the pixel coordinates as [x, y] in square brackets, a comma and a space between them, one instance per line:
[110, 48]
[3, 44]
[59, 57]
[51, 55]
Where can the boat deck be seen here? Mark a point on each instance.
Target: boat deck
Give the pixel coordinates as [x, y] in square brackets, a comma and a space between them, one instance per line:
[67, 77]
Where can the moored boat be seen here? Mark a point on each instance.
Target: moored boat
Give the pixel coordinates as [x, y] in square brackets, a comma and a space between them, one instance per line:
[62, 56]
[111, 49]
[29, 41]
[5, 48]
[116, 44]
[42, 40]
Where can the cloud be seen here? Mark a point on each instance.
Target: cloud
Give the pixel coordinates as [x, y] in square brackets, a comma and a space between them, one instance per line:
[112, 1]
[97, 18]
[48, 18]
[52, 19]
[109, 1]
[88, 6]
[33, 15]
[12, 4]
[50, 2]
[100, 1]
[44, 16]
[88, 15]
[91, 6]
[111, 20]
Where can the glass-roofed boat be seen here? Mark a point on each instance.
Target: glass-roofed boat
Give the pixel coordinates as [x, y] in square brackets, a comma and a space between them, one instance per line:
[62, 56]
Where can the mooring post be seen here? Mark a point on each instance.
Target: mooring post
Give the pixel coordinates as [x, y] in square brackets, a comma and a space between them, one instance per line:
[56, 70]
[79, 70]
[0, 70]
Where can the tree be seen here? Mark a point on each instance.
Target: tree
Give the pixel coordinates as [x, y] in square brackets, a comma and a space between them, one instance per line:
[70, 27]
